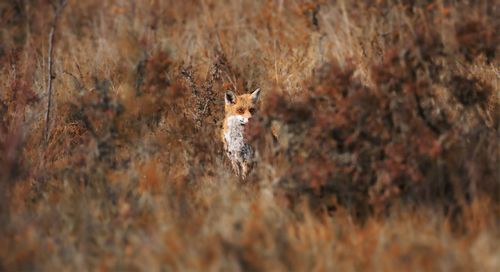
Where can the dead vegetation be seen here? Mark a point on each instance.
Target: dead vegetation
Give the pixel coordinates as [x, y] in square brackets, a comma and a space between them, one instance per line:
[384, 153]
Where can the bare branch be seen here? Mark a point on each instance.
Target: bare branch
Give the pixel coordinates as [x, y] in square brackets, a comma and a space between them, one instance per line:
[57, 7]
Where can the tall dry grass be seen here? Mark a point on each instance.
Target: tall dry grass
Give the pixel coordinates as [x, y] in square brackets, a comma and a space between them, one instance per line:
[384, 157]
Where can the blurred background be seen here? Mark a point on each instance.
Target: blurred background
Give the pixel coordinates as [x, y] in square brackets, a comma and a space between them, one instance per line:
[377, 135]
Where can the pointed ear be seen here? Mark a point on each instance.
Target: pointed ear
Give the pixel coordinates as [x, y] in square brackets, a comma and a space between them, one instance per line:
[230, 97]
[255, 95]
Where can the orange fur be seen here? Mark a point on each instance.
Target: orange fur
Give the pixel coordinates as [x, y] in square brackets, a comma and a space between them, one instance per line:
[243, 108]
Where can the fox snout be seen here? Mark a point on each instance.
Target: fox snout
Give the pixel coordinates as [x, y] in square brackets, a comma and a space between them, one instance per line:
[243, 119]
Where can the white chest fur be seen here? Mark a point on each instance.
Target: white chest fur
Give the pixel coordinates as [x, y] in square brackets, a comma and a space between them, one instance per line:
[237, 149]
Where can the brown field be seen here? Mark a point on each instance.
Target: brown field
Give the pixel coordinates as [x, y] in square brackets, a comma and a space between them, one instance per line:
[385, 154]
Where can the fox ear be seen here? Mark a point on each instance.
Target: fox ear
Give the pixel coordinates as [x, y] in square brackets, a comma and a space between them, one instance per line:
[255, 95]
[230, 97]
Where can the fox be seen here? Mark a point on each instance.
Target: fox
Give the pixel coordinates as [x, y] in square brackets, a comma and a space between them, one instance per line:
[239, 110]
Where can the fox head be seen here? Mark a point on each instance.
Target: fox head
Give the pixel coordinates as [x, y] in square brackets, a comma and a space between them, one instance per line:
[241, 106]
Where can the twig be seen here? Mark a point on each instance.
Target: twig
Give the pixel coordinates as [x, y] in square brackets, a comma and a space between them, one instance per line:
[79, 85]
[57, 12]
[188, 74]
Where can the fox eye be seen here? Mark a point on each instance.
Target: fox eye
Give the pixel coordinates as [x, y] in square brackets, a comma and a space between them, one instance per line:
[240, 110]
[252, 111]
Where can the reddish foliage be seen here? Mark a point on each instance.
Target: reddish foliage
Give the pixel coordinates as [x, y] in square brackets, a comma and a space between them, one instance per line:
[372, 146]
[476, 37]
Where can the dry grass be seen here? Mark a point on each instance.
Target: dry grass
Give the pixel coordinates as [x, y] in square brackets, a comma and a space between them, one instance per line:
[386, 156]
